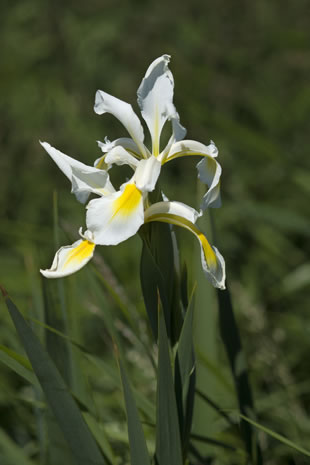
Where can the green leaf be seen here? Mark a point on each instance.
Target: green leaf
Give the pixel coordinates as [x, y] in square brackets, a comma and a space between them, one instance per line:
[185, 377]
[231, 338]
[152, 283]
[214, 442]
[100, 435]
[277, 436]
[138, 451]
[215, 407]
[143, 402]
[158, 275]
[17, 363]
[168, 443]
[67, 414]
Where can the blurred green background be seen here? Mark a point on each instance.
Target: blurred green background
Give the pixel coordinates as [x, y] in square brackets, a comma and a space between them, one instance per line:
[241, 74]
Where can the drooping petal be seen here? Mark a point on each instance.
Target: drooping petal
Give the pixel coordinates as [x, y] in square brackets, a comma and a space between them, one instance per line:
[178, 209]
[115, 218]
[70, 259]
[212, 261]
[186, 148]
[155, 96]
[125, 142]
[147, 173]
[209, 170]
[119, 156]
[106, 103]
[84, 178]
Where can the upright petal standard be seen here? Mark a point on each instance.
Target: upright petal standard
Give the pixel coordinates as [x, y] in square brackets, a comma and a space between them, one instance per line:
[116, 215]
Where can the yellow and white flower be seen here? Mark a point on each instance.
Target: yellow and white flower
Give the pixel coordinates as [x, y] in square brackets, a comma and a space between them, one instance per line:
[117, 215]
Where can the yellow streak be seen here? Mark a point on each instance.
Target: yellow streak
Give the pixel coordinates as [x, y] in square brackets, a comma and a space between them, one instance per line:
[208, 252]
[127, 202]
[79, 253]
[101, 162]
[184, 223]
[186, 153]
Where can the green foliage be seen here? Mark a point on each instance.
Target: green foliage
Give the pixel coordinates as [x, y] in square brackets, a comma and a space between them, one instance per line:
[65, 410]
[241, 74]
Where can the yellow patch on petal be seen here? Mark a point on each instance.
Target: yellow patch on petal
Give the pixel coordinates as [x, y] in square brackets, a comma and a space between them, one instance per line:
[208, 252]
[128, 201]
[79, 253]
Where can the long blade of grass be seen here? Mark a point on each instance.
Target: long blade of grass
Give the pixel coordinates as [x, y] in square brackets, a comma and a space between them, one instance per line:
[138, 451]
[99, 433]
[277, 436]
[67, 414]
[168, 443]
[17, 363]
[185, 377]
[231, 339]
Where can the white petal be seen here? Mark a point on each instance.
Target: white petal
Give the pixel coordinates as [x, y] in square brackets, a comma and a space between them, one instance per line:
[70, 259]
[212, 261]
[84, 178]
[209, 172]
[105, 103]
[155, 96]
[119, 156]
[147, 173]
[191, 147]
[213, 264]
[125, 142]
[171, 208]
[178, 133]
[115, 218]
[84, 182]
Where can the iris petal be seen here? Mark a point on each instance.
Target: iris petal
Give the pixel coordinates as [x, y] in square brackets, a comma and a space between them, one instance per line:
[85, 179]
[106, 103]
[70, 259]
[115, 218]
[212, 261]
[155, 96]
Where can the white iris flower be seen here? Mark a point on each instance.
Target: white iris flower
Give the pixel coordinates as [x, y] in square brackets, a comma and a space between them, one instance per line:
[115, 216]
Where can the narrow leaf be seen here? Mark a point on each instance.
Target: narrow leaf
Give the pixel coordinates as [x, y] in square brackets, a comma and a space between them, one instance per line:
[152, 283]
[138, 451]
[17, 363]
[277, 436]
[231, 338]
[168, 443]
[100, 435]
[67, 414]
[185, 377]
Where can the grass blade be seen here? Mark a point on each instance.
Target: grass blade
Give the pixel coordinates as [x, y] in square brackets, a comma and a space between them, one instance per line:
[138, 451]
[185, 377]
[277, 436]
[168, 443]
[231, 338]
[17, 363]
[67, 414]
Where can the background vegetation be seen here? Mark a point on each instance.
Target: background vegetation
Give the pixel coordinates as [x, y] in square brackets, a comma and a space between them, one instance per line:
[242, 79]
